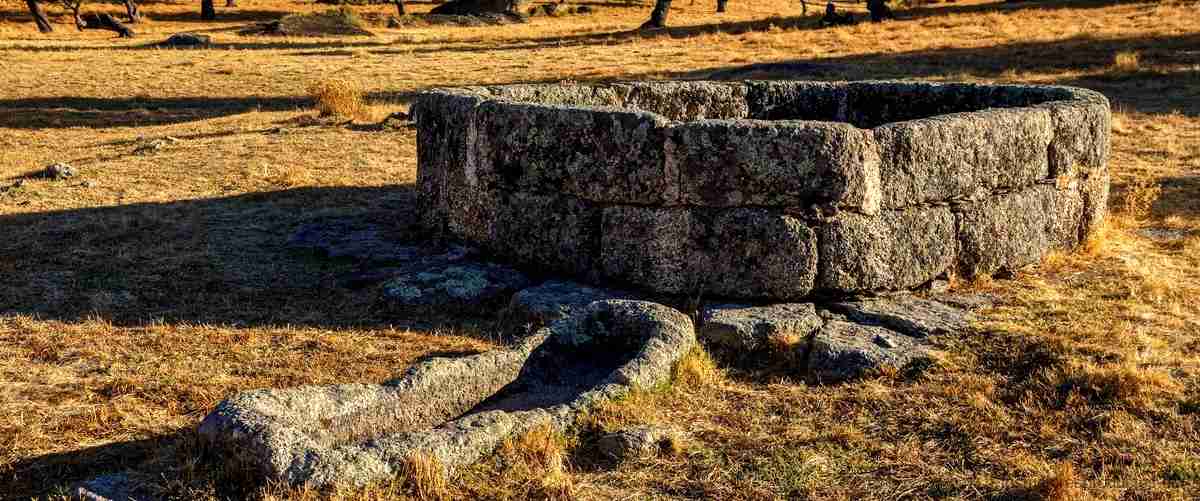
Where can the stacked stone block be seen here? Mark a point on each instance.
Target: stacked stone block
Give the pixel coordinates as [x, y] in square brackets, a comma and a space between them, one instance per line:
[764, 189]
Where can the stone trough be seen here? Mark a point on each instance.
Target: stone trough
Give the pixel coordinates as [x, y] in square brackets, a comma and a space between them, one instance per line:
[773, 190]
[450, 410]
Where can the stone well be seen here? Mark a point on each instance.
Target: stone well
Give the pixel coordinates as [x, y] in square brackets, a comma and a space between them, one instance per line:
[764, 189]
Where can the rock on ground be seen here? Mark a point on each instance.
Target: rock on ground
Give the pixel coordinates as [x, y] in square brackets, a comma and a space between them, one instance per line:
[462, 284]
[556, 299]
[451, 410]
[109, 487]
[746, 328]
[186, 40]
[59, 171]
[634, 442]
[906, 314]
[841, 351]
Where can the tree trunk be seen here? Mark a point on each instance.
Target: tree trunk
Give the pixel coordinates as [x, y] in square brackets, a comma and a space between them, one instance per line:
[207, 11]
[103, 22]
[721, 5]
[803, 8]
[39, 16]
[231, 3]
[400, 10]
[658, 16]
[132, 12]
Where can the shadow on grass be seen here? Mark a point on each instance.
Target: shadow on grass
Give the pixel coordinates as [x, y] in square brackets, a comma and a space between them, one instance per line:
[222, 261]
[58, 472]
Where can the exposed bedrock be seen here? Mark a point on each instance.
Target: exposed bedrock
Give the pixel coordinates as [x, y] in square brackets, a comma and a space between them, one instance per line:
[764, 190]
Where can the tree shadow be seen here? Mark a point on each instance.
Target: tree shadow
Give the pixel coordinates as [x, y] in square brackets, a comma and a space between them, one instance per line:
[223, 261]
[57, 472]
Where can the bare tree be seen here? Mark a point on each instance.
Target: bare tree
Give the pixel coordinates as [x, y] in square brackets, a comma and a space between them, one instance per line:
[91, 21]
[39, 16]
[658, 16]
[207, 11]
[400, 10]
[132, 12]
[721, 5]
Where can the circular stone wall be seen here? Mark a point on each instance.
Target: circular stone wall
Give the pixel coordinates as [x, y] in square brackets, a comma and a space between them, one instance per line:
[764, 189]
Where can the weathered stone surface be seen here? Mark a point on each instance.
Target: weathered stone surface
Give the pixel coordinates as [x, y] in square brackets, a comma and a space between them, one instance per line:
[842, 351]
[639, 182]
[461, 284]
[551, 232]
[550, 301]
[688, 100]
[59, 171]
[909, 315]
[186, 40]
[637, 441]
[895, 249]
[565, 94]
[708, 251]
[1081, 135]
[960, 155]
[452, 410]
[1008, 231]
[446, 143]
[747, 328]
[109, 487]
[726, 163]
[797, 100]
[615, 156]
[647, 247]
[1094, 192]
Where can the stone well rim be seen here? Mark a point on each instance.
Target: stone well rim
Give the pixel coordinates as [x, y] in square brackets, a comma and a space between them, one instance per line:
[1067, 96]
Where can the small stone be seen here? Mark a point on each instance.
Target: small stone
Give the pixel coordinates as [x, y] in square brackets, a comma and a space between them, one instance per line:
[462, 284]
[842, 351]
[59, 171]
[747, 328]
[550, 301]
[396, 121]
[939, 286]
[907, 314]
[110, 487]
[638, 441]
[88, 183]
[186, 40]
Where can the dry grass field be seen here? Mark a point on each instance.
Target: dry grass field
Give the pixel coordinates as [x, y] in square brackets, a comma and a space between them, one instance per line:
[138, 294]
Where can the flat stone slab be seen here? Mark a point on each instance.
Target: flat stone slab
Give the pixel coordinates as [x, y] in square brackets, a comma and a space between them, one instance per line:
[909, 315]
[764, 190]
[747, 328]
[451, 410]
[460, 284]
[556, 299]
[841, 351]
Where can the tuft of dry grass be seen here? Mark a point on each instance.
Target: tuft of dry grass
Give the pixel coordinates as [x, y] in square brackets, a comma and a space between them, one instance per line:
[1060, 485]
[1127, 61]
[1139, 199]
[697, 369]
[338, 97]
[425, 476]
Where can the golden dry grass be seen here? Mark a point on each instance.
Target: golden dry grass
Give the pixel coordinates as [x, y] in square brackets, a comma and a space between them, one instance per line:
[139, 294]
